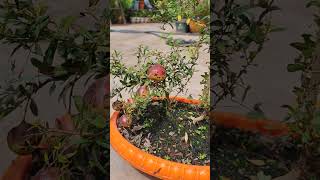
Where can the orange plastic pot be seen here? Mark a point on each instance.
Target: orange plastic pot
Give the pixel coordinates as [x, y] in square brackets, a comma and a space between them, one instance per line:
[18, 169]
[153, 165]
[262, 126]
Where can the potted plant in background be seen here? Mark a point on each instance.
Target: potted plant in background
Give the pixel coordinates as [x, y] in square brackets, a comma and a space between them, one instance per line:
[199, 19]
[61, 53]
[141, 16]
[156, 131]
[182, 25]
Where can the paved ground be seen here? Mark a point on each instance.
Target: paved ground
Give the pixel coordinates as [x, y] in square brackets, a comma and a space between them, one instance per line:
[126, 39]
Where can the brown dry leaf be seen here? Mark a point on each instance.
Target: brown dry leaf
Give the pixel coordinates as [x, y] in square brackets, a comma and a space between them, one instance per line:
[137, 139]
[146, 143]
[179, 154]
[195, 120]
[137, 128]
[186, 137]
[256, 162]
[125, 133]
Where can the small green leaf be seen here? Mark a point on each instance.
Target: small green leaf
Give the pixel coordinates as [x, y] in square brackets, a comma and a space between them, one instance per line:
[34, 107]
[52, 88]
[49, 54]
[36, 63]
[78, 101]
[41, 23]
[66, 22]
[295, 67]
[37, 49]
[99, 122]
[93, 2]
[262, 176]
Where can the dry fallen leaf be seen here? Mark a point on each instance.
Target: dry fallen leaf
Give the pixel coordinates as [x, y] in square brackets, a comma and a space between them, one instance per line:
[197, 119]
[147, 143]
[186, 137]
[257, 162]
[137, 128]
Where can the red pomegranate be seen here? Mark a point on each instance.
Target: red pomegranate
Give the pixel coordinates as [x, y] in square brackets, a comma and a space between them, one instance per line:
[97, 92]
[125, 121]
[156, 72]
[143, 91]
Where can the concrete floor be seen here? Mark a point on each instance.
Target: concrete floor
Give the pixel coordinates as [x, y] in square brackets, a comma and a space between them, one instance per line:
[126, 39]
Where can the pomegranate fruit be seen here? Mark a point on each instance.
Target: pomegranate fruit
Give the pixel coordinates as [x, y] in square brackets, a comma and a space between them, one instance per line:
[125, 121]
[143, 91]
[23, 138]
[156, 72]
[117, 105]
[65, 123]
[97, 95]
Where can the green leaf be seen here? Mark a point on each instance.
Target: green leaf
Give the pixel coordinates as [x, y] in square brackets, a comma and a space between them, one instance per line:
[262, 176]
[43, 68]
[97, 162]
[49, 55]
[17, 4]
[34, 107]
[295, 67]
[38, 49]
[36, 63]
[313, 3]
[41, 23]
[245, 93]
[93, 2]
[305, 137]
[66, 22]
[15, 50]
[78, 101]
[78, 141]
[62, 159]
[316, 122]
[52, 88]
[99, 122]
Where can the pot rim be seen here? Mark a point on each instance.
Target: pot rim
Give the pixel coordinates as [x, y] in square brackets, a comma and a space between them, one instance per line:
[154, 165]
[265, 127]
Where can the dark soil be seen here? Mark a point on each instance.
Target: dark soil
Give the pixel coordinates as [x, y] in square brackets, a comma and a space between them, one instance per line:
[242, 155]
[171, 135]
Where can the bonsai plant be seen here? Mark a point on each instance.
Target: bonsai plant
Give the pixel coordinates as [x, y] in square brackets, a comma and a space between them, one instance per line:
[155, 122]
[60, 53]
